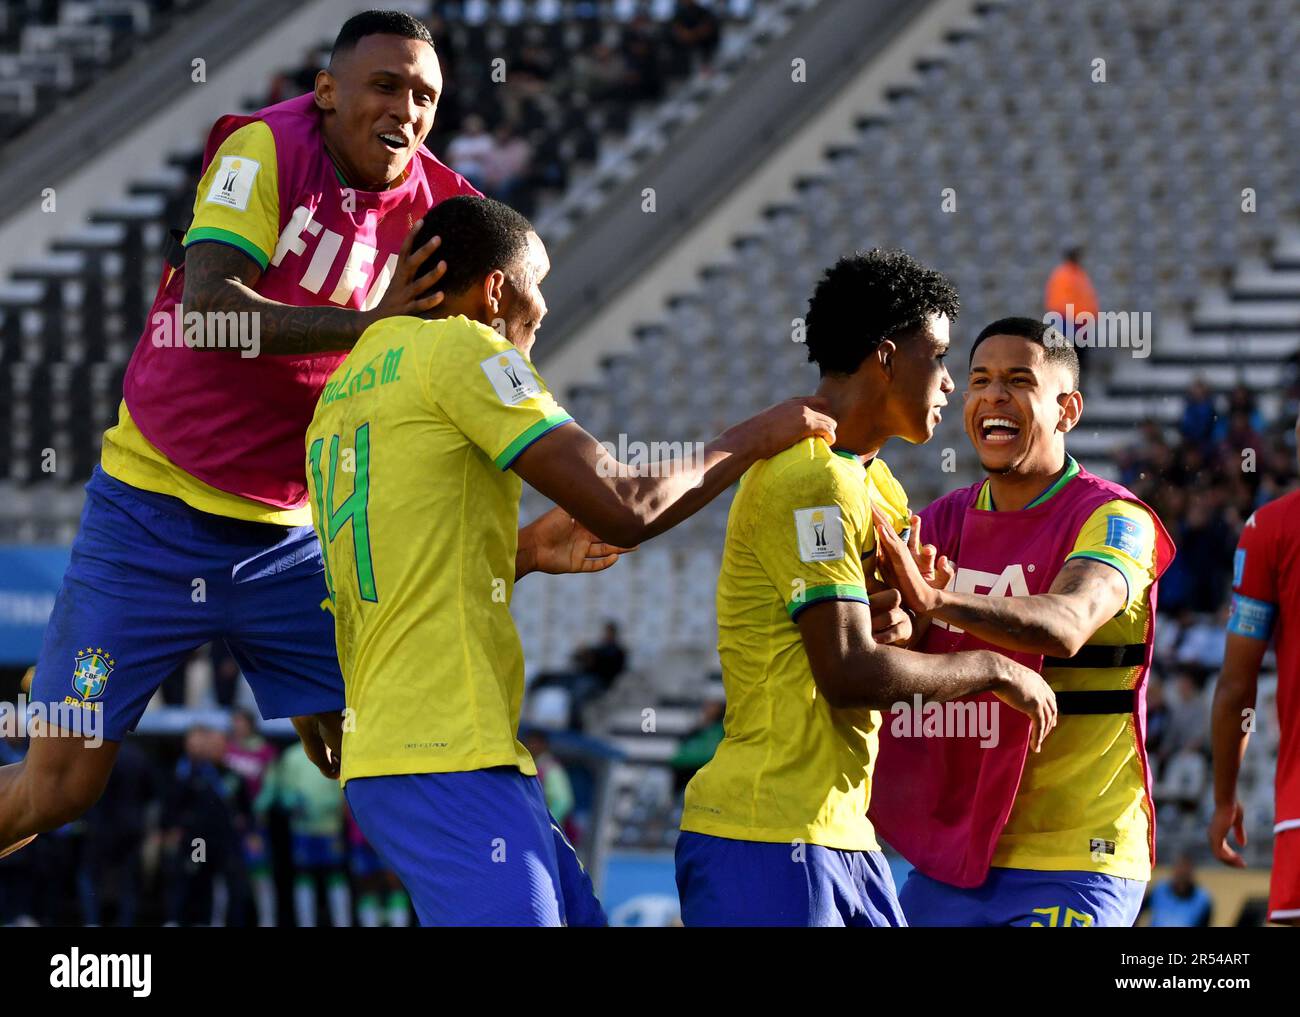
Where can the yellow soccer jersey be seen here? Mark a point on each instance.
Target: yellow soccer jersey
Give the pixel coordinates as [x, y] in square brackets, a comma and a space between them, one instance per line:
[127, 454]
[1082, 802]
[408, 465]
[790, 766]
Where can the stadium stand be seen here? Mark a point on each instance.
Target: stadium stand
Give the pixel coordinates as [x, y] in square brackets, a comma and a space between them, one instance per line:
[52, 49]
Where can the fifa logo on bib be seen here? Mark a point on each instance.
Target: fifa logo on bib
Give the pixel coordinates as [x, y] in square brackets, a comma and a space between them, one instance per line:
[1010, 582]
[90, 676]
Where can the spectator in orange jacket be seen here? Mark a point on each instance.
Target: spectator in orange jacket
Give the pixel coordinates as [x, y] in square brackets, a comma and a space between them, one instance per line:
[1069, 285]
[1070, 294]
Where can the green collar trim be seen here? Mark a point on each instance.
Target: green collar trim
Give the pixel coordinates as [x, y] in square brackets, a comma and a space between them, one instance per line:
[984, 501]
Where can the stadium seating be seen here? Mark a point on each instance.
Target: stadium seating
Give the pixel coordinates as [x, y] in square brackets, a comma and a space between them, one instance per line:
[51, 49]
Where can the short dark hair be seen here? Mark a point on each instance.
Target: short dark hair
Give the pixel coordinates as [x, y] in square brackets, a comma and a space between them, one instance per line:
[868, 297]
[366, 23]
[1057, 349]
[479, 235]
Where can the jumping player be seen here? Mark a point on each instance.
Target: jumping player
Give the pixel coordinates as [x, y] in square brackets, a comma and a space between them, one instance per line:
[196, 525]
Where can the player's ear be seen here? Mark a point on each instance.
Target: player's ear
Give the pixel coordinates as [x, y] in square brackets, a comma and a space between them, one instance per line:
[494, 287]
[885, 356]
[324, 90]
[1071, 407]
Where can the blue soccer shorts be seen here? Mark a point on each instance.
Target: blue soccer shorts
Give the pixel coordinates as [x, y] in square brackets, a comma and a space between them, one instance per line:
[150, 580]
[476, 847]
[1029, 897]
[742, 882]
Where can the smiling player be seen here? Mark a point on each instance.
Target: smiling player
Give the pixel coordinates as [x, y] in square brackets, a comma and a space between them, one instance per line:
[1058, 568]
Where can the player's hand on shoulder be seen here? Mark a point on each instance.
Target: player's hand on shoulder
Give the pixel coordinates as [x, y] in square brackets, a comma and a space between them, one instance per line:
[1025, 690]
[407, 294]
[780, 426]
[891, 625]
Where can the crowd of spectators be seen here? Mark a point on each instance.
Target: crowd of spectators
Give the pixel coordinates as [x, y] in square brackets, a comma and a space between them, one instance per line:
[235, 831]
[1226, 458]
[228, 827]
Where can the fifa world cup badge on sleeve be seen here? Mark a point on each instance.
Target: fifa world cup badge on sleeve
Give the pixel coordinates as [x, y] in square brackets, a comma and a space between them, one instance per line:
[232, 185]
[510, 377]
[821, 533]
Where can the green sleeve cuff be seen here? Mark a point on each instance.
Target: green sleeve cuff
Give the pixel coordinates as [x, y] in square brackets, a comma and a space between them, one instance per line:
[516, 447]
[831, 591]
[220, 236]
[1115, 562]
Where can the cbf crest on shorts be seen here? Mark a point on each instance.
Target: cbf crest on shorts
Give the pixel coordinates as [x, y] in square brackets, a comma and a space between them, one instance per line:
[90, 677]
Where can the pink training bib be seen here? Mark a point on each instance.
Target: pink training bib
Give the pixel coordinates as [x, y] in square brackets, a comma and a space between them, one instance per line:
[238, 423]
[942, 802]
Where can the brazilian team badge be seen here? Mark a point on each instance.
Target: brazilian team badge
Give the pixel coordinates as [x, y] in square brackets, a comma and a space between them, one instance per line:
[90, 676]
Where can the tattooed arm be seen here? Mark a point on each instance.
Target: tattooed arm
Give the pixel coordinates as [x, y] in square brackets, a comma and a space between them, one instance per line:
[1084, 595]
[221, 278]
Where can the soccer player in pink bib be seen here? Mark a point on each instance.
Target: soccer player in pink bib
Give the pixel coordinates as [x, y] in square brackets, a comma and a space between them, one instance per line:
[1058, 569]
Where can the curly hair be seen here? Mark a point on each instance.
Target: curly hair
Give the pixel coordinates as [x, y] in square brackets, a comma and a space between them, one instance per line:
[868, 297]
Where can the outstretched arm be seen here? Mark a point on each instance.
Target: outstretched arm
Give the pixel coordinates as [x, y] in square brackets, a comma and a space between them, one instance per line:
[851, 669]
[624, 505]
[557, 543]
[1083, 597]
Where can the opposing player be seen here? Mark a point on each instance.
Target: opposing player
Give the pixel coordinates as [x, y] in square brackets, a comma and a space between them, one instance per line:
[775, 828]
[416, 457]
[196, 525]
[1058, 568]
[1265, 606]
